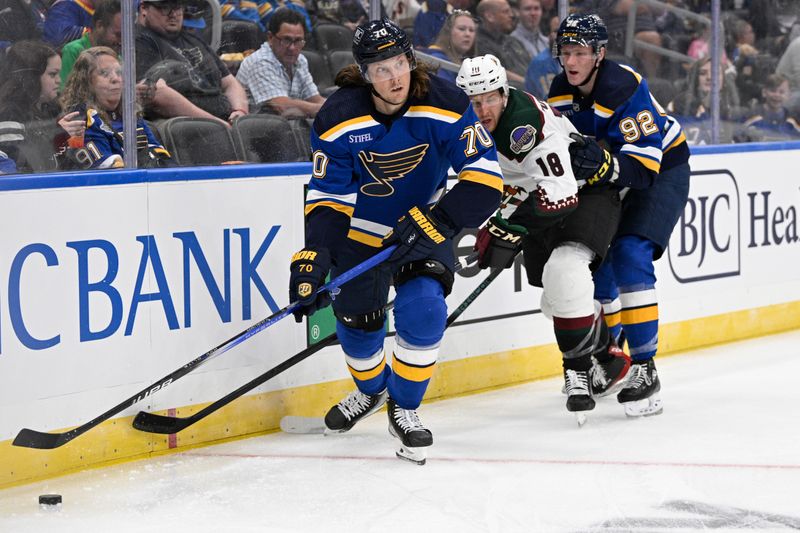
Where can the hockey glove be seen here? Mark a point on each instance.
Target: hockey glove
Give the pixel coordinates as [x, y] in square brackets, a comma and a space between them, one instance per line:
[308, 271]
[416, 234]
[591, 163]
[498, 243]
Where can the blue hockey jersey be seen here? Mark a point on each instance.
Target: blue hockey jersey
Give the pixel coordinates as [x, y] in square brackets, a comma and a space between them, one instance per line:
[103, 145]
[621, 113]
[373, 168]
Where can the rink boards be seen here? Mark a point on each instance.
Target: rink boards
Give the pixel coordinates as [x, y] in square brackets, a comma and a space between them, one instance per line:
[112, 280]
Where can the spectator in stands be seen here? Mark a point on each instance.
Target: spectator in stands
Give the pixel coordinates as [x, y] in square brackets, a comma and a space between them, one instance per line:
[21, 20]
[95, 88]
[529, 30]
[277, 75]
[693, 107]
[260, 11]
[770, 120]
[544, 67]
[67, 20]
[29, 99]
[615, 15]
[744, 39]
[456, 41]
[789, 68]
[107, 22]
[203, 85]
[431, 17]
[494, 37]
[348, 13]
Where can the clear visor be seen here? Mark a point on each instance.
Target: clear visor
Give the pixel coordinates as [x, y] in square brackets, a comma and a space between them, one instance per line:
[388, 69]
[492, 99]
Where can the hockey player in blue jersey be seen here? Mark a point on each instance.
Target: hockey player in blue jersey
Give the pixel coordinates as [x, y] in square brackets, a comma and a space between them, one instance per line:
[633, 144]
[382, 147]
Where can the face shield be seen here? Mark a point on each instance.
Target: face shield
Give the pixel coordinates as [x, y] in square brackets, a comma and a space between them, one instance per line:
[388, 69]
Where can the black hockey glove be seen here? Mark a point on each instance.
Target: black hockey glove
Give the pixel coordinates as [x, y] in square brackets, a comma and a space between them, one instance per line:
[591, 163]
[498, 243]
[308, 271]
[416, 234]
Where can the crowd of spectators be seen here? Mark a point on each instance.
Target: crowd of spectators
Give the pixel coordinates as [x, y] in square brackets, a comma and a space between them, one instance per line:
[287, 65]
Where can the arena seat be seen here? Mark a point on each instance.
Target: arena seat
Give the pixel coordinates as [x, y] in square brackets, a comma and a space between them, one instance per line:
[262, 138]
[663, 90]
[319, 69]
[240, 36]
[301, 128]
[198, 141]
[329, 37]
[338, 59]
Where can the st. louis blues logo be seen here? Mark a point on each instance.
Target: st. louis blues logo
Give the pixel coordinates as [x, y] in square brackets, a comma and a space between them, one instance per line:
[384, 168]
[522, 138]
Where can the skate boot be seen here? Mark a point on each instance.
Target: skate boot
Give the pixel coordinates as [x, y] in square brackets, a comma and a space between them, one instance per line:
[609, 371]
[404, 424]
[344, 415]
[579, 393]
[640, 396]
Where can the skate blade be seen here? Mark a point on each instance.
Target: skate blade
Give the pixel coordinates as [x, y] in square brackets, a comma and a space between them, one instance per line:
[580, 418]
[413, 455]
[306, 425]
[647, 407]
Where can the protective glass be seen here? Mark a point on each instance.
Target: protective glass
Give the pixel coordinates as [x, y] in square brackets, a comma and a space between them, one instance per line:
[388, 69]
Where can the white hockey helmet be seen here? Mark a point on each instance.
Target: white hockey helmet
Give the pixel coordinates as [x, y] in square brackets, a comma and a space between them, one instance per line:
[482, 74]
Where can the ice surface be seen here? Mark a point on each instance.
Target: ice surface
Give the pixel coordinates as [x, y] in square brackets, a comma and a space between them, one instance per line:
[724, 456]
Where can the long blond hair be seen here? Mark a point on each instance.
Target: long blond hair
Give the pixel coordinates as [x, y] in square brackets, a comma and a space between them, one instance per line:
[78, 89]
[445, 43]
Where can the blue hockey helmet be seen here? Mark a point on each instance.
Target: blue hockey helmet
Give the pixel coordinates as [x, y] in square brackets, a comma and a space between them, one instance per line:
[377, 40]
[583, 30]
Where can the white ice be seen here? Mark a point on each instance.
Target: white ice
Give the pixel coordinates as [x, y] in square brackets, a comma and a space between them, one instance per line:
[724, 456]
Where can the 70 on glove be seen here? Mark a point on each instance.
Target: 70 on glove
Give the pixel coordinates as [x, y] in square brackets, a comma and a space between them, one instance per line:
[498, 243]
[591, 162]
[308, 271]
[416, 234]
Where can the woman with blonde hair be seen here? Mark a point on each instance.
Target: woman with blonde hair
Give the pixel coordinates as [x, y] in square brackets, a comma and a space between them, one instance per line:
[456, 41]
[94, 89]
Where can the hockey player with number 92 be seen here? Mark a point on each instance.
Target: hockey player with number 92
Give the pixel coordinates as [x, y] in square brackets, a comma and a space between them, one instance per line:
[633, 145]
[383, 144]
[563, 232]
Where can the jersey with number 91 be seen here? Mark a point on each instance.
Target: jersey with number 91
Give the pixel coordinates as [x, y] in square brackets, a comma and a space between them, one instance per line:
[373, 168]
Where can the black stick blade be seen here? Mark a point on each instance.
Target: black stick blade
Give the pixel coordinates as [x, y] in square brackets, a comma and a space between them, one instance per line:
[165, 425]
[30, 438]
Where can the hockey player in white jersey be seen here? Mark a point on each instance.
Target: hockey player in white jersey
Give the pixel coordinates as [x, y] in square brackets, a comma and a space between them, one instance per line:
[383, 144]
[563, 232]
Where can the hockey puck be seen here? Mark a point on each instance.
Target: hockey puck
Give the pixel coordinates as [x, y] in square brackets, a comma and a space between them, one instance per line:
[50, 499]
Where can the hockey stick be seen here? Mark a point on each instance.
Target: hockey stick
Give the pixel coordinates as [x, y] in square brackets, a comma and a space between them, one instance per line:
[30, 438]
[154, 423]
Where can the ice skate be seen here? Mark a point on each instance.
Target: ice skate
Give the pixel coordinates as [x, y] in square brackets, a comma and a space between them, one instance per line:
[579, 394]
[404, 424]
[608, 376]
[357, 405]
[641, 397]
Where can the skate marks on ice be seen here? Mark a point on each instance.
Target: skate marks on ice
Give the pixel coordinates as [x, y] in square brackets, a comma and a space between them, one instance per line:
[703, 516]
